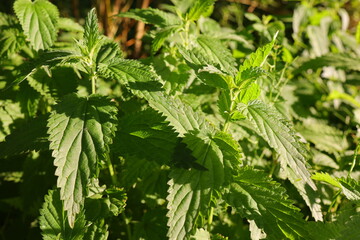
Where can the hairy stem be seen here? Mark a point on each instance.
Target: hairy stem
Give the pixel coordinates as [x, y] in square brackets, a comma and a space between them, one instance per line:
[93, 84]
[354, 159]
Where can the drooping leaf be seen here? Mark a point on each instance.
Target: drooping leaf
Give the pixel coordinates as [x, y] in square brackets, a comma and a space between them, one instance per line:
[146, 135]
[337, 60]
[153, 16]
[276, 131]
[309, 195]
[350, 188]
[39, 21]
[46, 60]
[80, 130]
[199, 8]
[325, 137]
[258, 198]
[31, 136]
[53, 222]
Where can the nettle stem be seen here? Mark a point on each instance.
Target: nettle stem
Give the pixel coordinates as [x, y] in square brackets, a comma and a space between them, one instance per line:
[187, 28]
[231, 109]
[93, 83]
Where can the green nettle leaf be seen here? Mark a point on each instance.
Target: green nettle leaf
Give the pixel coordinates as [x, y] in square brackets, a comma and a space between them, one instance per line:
[325, 177]
[145, 134]
[179, 115]
[39, 21]
[250, 93]
[256, 197]
[31, 136]
[189, 193]
[325, 137]
[199, 8]
[215, 52]
[250, 67]
[91, 30]
[152, 16]
[11, 41]
[350, 188]
[337, 60]
[209, 55]
[80, 130]
[70, 25]
[108, 52]
[162, 35]
[54, 225]
[272, 126]
[128, 72]
[258, 58]
[97, 231]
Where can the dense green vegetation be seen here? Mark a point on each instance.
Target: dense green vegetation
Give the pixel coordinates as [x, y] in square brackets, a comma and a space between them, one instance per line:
[232, 124]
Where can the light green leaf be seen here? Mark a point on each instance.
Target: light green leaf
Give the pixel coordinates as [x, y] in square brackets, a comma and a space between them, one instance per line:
[80, 130]
[199, 8]
[337, 60]
[258, 198]
[357, 34]
[258, 58]
[162, 35]
[11, 41]
[54, 225]
[250, 93]
[215, 52]
[325, 177]
[91, 30]
[70, 25]
[39, 21]
[152, 16]
[201, 234]
[276, 131]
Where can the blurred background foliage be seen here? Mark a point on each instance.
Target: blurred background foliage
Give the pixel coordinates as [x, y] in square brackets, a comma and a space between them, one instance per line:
[229, 13]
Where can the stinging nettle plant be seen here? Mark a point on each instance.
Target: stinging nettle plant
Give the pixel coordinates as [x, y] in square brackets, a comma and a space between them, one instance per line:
[110, 121]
